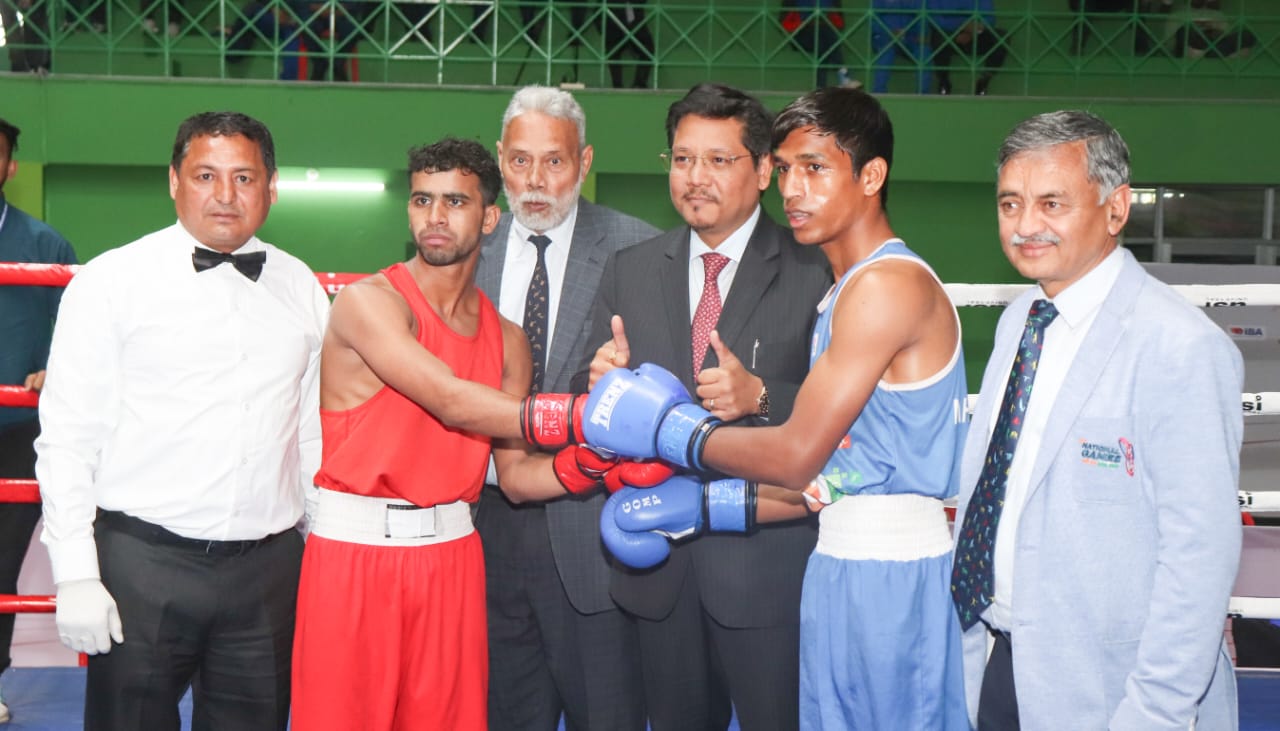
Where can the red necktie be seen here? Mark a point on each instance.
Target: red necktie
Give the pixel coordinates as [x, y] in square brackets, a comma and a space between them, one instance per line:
[708, 312]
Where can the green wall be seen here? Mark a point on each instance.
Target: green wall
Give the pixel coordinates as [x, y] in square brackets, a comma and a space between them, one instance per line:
[103, 145]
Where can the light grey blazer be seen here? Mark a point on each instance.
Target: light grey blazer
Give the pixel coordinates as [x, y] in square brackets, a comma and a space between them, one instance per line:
[1123, 572]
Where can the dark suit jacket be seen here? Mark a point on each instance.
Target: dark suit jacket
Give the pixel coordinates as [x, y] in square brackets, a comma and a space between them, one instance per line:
[574, 523]
[768, 316]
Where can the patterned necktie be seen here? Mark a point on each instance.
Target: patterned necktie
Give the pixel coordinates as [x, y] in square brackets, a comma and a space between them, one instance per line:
[536, 303]
[972, 581]
[249, 264]
[708, 312]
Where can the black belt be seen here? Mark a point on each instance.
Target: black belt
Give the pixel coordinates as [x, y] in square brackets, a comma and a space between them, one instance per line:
[157, 535]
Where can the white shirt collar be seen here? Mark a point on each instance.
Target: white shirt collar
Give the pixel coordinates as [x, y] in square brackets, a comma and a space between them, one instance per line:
[1079, 300]
[560, 235]
[253, 244]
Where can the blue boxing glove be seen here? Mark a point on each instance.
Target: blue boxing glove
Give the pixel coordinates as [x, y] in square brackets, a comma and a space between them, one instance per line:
[679, 508]
[639, 550]
[647, 413]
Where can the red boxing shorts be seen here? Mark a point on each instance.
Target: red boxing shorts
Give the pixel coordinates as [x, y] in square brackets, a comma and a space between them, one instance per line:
[390, 638]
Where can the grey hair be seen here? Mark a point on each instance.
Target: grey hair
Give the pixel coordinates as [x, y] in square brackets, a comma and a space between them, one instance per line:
[1106, 154]
[554, 103]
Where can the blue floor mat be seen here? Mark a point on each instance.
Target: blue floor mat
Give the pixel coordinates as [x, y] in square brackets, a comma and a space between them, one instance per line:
[52, 699]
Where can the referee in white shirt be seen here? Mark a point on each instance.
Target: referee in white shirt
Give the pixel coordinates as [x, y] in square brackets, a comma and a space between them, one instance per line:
[179, 425]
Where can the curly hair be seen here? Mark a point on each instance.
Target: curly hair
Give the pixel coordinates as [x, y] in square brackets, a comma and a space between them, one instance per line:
[468, 156]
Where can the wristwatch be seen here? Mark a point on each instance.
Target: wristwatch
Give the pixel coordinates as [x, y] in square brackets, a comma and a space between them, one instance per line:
[762, 403]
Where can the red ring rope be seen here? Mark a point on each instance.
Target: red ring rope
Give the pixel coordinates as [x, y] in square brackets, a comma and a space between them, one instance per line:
[57, 275]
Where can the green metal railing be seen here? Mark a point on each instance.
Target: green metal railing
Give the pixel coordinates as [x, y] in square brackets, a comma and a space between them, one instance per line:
[1042, 49]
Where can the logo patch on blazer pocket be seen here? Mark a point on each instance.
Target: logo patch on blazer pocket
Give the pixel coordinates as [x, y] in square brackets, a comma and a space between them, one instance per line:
[1097, 454]
[1126, 447]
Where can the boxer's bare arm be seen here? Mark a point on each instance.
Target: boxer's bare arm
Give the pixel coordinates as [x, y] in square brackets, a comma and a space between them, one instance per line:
[371, 341]
[524, 473]
[892, 322]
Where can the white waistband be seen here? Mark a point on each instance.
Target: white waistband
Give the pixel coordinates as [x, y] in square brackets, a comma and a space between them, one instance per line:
[375, 521]
[883, 528]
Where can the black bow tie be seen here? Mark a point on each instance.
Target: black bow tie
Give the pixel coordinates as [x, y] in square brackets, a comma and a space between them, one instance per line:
[249, 264]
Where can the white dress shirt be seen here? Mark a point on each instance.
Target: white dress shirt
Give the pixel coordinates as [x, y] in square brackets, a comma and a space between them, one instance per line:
[1078, 307]
[517, 271]
[189, 400]
[733, 247]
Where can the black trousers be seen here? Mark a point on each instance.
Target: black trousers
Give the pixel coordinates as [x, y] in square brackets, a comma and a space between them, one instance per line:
[546, 657]
[998, 699]
[220, 624]
[697, 672]
[617, 42]
[17, 520]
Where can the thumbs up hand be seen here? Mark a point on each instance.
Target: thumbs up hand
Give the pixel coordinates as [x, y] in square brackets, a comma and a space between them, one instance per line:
[729, 391]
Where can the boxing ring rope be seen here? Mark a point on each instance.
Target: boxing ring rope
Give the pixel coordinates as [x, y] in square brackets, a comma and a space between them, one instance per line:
[1259, 542]
[57, 275]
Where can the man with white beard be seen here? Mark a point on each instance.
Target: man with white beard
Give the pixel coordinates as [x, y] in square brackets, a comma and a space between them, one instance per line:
[557, 642]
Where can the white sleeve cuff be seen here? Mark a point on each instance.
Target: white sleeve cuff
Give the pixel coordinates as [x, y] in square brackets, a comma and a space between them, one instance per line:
[73, 559]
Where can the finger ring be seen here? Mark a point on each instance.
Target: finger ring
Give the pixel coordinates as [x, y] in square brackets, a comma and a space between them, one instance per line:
[712, 404]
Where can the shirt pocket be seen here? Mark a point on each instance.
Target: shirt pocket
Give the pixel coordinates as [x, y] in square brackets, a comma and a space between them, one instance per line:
[1104, 461]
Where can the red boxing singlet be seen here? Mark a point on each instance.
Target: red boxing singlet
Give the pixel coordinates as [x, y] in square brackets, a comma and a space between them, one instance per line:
[389, 446]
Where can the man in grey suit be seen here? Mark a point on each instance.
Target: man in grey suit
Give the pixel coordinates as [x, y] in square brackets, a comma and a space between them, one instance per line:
[719, 621]
[557, 642]
[1098, 533]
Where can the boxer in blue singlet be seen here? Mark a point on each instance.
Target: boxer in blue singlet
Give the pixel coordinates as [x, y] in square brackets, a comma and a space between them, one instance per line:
[876, 614]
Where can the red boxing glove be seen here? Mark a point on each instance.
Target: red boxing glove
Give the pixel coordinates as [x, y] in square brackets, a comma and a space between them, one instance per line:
[581, 469]
[637, 473]
[552, 420]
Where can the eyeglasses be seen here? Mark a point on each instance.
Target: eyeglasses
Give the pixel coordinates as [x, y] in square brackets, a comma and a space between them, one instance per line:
[684, 162]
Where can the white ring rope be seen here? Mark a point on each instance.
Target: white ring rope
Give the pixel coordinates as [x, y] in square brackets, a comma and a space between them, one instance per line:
[1201, 295]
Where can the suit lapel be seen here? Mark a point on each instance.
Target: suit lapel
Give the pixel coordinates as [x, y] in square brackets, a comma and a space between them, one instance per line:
[585, 265]
[493, 255]
[758, 270]
[1088, 366]
[675, 293]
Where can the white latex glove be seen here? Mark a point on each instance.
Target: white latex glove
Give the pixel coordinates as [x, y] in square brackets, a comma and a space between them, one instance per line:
[87, 617]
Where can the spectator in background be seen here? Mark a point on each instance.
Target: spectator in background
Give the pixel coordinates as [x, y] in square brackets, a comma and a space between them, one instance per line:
[275, 24]
[1082, 26]
[172, 13]
[93, 17]
[815, 27]
[1199, 29]
[625, 30]
[899, 25]
[967, 27]
[26, 324]
[28, 40]
[331, 31]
